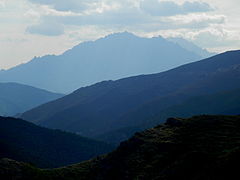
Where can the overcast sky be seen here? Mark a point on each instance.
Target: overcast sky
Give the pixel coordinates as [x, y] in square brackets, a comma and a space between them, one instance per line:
[31, 28]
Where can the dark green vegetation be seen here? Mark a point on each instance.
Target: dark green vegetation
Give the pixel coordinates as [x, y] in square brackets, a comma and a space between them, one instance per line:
[197, 148]
[128, 103]
[24, 141]
[17, 98]
[112, 57]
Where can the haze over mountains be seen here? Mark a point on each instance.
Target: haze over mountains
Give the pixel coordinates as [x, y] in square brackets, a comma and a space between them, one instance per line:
[92, 101]
[112, 57]
[17, 98]
[134, 101]
[201, 147]
[191, 47]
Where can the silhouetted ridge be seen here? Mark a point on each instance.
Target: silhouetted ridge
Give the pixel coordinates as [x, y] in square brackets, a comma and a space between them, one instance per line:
[120, 35]
[24, 141]
[203, 147]
[113, 57]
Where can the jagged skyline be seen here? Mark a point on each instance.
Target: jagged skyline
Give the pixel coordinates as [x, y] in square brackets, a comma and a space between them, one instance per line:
[31, 28]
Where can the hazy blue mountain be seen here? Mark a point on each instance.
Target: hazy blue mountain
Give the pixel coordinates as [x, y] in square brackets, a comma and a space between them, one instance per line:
[112, 57]
[17, 98]
[111, 105]
[191, 47]
[24, 141]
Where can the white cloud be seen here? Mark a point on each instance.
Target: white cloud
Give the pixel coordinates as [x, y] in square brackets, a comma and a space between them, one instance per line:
[170, 8]
[214, 38]
[2, 4]
[128, 14]
[196, 21]
[47, 28]
[69, 5]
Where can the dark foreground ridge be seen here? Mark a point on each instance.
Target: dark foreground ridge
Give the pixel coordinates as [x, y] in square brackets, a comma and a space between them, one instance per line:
[197, 148]
[45, 148]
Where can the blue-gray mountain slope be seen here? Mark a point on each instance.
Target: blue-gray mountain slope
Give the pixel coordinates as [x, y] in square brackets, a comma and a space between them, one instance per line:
[17, 98]
[111, 105]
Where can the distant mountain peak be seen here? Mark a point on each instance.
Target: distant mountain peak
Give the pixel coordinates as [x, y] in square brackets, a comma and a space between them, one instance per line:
[115, 56]
[189, 45]
[124, 34]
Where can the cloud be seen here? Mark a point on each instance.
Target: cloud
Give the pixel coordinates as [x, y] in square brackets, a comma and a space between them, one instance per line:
[214, 37]
[170, 8]
[47, 28]
[129, 18]
[2, 4]
[84, 5]
[152, 7]
[121, 17]
[149, 15]
[69, 5]
[198, 21]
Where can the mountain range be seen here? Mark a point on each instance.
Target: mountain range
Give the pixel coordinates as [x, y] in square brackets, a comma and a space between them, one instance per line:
[17, 98]
[113, 57]
[201, 147]
[136, 109]
[46, 148]
[112, 105]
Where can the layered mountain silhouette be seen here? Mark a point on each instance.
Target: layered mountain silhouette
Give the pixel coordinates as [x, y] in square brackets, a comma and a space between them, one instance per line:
[112, 57]
[17, 98]
[111, 105]
[201, 147]
[46, 148]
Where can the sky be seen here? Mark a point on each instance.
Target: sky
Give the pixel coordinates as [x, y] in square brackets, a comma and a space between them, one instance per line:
[31, 28]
